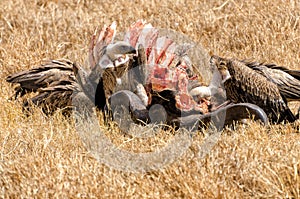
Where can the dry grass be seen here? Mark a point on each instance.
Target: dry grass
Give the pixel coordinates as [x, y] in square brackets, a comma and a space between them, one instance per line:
[44, 157]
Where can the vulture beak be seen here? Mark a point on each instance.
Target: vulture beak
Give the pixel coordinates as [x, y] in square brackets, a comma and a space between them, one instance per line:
[225, 75]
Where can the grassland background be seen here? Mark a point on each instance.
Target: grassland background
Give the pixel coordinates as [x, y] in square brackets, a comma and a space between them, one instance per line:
[43, 157]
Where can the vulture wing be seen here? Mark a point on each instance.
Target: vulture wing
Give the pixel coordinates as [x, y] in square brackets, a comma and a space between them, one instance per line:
[288, 81]
[53, 82]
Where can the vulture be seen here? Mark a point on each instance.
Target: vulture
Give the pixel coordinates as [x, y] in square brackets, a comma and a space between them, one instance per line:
[268, 86]
[56, 81]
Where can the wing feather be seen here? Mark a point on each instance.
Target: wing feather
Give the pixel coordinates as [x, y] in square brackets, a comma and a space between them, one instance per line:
[53, 84]
[288, 81]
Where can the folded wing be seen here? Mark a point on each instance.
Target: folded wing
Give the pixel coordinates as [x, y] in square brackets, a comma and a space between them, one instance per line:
[53, 82]
[288, 81]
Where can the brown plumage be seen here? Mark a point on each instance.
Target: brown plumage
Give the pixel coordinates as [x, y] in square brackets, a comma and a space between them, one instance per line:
[54, 82]
[112, 78]
[243, 84]
[43, 76]
[288, 81]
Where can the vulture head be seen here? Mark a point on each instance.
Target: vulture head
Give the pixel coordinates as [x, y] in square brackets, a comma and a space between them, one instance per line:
[116, 55]
[223, 66]
[113, 64]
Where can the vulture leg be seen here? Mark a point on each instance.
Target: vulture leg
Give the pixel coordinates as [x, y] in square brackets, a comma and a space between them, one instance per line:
[223, 116]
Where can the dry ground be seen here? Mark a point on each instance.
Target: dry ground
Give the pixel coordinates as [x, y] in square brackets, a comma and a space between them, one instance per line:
[43, 157]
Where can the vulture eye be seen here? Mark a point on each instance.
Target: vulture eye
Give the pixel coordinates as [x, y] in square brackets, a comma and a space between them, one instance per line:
[121, 59]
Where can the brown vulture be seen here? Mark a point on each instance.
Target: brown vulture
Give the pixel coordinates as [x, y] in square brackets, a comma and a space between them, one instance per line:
[55, 81]
[267, 86]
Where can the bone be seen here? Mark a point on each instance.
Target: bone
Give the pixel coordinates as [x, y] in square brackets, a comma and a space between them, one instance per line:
[142, 94]
[201, 91]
